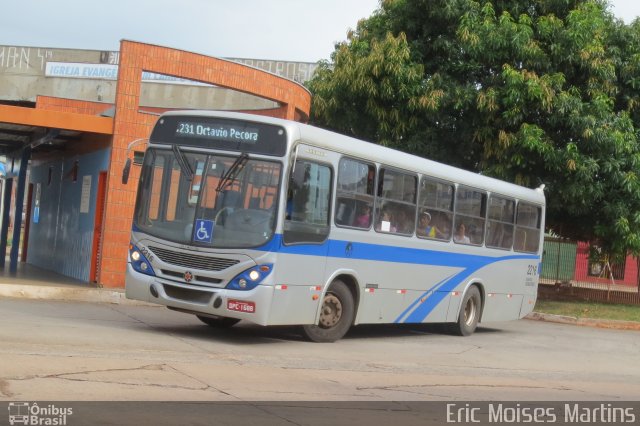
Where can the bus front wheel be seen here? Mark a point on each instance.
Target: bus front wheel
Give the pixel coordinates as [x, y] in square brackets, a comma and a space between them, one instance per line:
[336, 315]
[218, 322]
[469, 313]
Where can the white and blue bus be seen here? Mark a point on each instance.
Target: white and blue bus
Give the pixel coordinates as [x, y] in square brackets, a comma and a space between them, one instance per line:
[242, 217]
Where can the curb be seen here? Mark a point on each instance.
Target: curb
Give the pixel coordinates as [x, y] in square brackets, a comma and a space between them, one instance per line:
[75, 294]
[585, 322]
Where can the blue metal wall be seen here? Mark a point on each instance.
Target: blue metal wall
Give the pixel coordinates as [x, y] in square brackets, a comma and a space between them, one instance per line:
[61, 240]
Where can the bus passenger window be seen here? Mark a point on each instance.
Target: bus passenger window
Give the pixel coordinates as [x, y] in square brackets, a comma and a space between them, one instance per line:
[396, 202]
[500, 227]
[470, 213]
[527, 237]
[354, 198]
[435, 215]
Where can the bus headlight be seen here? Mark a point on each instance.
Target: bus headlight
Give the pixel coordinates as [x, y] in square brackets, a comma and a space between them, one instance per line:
[251, 278]
[139, 262]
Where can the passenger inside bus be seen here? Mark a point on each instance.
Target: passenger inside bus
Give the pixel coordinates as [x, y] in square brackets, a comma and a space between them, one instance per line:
[459, 236]
[404, 224]
[425, 228]
[385, 223]
[364, 216]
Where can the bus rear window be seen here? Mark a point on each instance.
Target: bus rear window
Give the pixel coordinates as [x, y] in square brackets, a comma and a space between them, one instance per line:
[527, 237]
[500, 227]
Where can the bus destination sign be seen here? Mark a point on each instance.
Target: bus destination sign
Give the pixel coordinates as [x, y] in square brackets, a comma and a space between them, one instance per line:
[220, 132]
[237, 135]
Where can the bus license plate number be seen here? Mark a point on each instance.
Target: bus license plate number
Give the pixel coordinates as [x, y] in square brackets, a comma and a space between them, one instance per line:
[237, 305]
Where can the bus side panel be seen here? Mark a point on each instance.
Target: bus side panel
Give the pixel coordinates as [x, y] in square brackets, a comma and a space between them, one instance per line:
[294, 304]
[439, 311]
[382, 305]
[455, 300]
[296, 281]
[502, 307]
[389, 306]
[388, 288]
[371, 306]
[504, 298]
[497, 306]
[528, 303]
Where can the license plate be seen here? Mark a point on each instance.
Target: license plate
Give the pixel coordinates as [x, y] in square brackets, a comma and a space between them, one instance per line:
[241, 306]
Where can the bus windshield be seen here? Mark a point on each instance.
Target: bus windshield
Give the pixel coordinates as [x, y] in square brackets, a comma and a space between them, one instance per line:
[220, 201]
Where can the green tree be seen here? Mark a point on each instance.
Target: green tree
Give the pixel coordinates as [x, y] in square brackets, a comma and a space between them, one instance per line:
[529, 91]
[377, 79]
[377, 87]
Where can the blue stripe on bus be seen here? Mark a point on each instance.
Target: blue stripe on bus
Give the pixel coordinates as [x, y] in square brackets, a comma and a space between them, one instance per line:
[418, 310]
[424, 309]
[419, 299]
[387, 253]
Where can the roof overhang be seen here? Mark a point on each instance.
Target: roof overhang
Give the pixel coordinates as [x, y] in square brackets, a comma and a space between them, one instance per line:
[20, 126]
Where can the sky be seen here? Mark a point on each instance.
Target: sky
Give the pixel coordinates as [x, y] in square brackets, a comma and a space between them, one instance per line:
[288, 30]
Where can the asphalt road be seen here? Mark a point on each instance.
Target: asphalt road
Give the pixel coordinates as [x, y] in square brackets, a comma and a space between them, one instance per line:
[95, 352]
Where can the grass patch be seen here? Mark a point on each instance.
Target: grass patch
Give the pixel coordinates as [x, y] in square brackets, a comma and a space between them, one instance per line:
[589, 310]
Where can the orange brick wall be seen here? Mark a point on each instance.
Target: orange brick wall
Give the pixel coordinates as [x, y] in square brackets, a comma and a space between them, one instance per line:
[131, 124]
[89, 141]
[71, 105]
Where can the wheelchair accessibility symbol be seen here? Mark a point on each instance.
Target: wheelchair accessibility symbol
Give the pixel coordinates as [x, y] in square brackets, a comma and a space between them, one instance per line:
[203, 231]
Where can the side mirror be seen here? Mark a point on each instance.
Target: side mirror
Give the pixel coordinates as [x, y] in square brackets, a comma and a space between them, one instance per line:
[125, 171]
[127, 164]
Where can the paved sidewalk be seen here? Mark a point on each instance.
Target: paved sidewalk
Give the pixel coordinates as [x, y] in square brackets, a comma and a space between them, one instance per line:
[71, 293]
[31, 282]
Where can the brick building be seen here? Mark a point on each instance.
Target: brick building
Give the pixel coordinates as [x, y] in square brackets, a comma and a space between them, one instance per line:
[77, 212]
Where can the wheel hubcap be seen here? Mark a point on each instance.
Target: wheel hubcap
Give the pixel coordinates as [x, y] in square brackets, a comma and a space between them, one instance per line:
[331, 311]
[470, 312]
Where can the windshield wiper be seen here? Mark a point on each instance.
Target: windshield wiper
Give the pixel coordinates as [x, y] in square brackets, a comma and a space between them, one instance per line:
[230, 175]
[182, 162]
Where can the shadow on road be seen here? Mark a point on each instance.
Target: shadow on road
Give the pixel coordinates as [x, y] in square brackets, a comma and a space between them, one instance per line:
[246, 333]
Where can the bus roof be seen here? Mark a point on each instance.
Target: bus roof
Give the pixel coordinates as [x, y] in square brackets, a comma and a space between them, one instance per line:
[379, 154]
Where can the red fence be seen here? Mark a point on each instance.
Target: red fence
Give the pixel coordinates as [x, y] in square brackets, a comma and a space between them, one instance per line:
[569, 273]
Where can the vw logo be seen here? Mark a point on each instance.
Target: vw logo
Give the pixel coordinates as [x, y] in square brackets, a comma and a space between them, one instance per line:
[188, 276]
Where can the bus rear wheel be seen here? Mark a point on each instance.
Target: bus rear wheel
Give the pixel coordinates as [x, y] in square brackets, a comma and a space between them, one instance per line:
[336, 315]
[469, 313]
[218, 322]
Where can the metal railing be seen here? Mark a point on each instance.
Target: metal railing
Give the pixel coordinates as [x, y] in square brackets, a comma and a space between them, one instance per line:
[569, 273]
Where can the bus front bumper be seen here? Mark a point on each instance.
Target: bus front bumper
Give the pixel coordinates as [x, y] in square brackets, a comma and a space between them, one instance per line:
[252, 305]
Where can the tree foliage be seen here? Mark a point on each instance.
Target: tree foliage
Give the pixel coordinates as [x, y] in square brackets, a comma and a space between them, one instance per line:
[532, 92]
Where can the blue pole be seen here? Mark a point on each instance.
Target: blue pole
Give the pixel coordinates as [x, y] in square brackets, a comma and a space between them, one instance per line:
[4, 232]
[17, 218]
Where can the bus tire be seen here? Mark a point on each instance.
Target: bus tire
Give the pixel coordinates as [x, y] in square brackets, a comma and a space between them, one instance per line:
[218, 322]
[336, 315]
[469, 315]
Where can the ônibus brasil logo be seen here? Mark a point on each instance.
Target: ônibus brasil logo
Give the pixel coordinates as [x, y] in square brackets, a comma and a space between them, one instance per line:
[27, 413]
